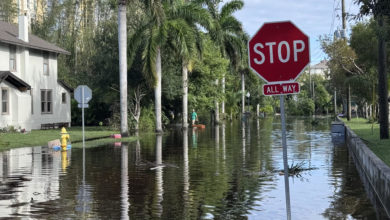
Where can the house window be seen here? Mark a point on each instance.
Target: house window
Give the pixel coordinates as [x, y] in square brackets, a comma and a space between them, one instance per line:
[46, 102]
[12, 58]
[45, 64]
[4, 101]
[63, 98]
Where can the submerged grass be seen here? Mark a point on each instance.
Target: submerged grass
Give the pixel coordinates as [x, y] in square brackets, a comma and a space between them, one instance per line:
[369, 133]
[97, 135]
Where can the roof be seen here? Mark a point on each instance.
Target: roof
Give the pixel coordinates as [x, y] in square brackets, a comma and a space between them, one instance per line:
[14, 80]
[63, 84]
[321, 65]
[9, 35]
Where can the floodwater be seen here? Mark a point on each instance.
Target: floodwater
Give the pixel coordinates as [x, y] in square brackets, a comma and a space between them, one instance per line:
[230, 171]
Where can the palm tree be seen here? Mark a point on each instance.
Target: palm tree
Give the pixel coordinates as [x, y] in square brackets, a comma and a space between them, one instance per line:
[150, 35]
[122, 37]
[186, 41]
[228, 35]
[165, 21]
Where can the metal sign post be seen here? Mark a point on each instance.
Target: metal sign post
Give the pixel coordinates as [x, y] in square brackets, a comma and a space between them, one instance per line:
[82, 95]
[82, 113]
[285, 164]
[279, 53]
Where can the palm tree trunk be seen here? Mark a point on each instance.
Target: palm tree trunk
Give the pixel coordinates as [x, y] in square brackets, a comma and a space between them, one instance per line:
[242, 93]
[223, 93]
[349, 103]
[382, 82]
[216, 106]
[122, 41]
[185, 95]
[157, 92]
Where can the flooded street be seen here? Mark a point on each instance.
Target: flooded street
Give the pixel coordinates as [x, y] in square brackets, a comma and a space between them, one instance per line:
[231, 171]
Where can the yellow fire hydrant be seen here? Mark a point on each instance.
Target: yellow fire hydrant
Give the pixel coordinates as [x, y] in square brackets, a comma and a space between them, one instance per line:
[64, 139]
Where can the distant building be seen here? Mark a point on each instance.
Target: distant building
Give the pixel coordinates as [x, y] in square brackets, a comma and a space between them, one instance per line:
[30, 93]
[320, 68]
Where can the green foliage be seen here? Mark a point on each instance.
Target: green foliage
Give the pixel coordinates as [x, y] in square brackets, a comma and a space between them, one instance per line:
[147, 119]
[301, 105]
[202, 89]
[90, 34]
[8, 10]
[267, 109]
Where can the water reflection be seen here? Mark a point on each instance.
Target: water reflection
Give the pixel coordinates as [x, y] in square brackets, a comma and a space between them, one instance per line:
[159, 191]
[232, 173]
[186, 174]
[243, 142]
[28, 176]
[124, 183]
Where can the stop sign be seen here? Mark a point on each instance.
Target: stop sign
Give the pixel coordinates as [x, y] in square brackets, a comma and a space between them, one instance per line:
[279, 52]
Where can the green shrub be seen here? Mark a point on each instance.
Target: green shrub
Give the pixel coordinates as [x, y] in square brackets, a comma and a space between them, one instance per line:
[147, 119]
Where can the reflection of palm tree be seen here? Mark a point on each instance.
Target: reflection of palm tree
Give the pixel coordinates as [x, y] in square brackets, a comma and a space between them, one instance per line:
[243, 142]
[158, 208]
[223, 143]
[124, 183]
[217, 148]
[186, 174]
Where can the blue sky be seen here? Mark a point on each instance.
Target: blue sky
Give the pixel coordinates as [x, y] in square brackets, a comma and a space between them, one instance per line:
[314, 17]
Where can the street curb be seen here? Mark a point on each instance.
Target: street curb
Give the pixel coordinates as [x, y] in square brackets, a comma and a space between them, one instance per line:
[374, 173]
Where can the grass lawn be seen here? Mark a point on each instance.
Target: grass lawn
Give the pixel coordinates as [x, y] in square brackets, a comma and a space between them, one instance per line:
[370, 136]
[41, 137]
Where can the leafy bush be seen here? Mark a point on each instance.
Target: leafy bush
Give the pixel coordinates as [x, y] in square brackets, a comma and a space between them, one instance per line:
[267, 109]
[147, 119]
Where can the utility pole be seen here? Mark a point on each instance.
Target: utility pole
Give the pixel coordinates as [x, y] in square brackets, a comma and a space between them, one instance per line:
[343, 15]
[344, 36]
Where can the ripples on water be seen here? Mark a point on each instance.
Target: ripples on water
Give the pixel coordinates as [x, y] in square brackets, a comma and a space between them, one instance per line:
[223, 172]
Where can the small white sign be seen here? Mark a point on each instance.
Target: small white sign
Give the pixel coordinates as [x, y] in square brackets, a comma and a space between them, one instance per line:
[82, 105]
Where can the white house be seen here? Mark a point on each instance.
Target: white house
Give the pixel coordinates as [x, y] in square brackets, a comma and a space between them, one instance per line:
[31, 94]
[320, 68]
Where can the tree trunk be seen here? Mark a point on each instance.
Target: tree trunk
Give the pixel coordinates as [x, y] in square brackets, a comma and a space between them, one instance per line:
[216, 116]
[157, 92]
[349, 103]
[223, 93]
[382, 82]
[243, 93]
[335, 103]
[185, 95]
[122, 40]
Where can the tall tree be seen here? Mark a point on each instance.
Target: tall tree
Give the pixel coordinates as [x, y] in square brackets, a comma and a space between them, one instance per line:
[8, 10]
[381, 11]
[186, 41]
[122, 41]
[163, 18]
[342, 63]
[228, 35]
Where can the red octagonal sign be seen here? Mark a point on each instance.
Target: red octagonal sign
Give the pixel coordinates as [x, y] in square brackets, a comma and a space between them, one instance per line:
[279, 52]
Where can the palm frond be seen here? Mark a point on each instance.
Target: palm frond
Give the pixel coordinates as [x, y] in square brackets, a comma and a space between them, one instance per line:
[230, 7]
[149, 56]
[231, 24]
[135, 41]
